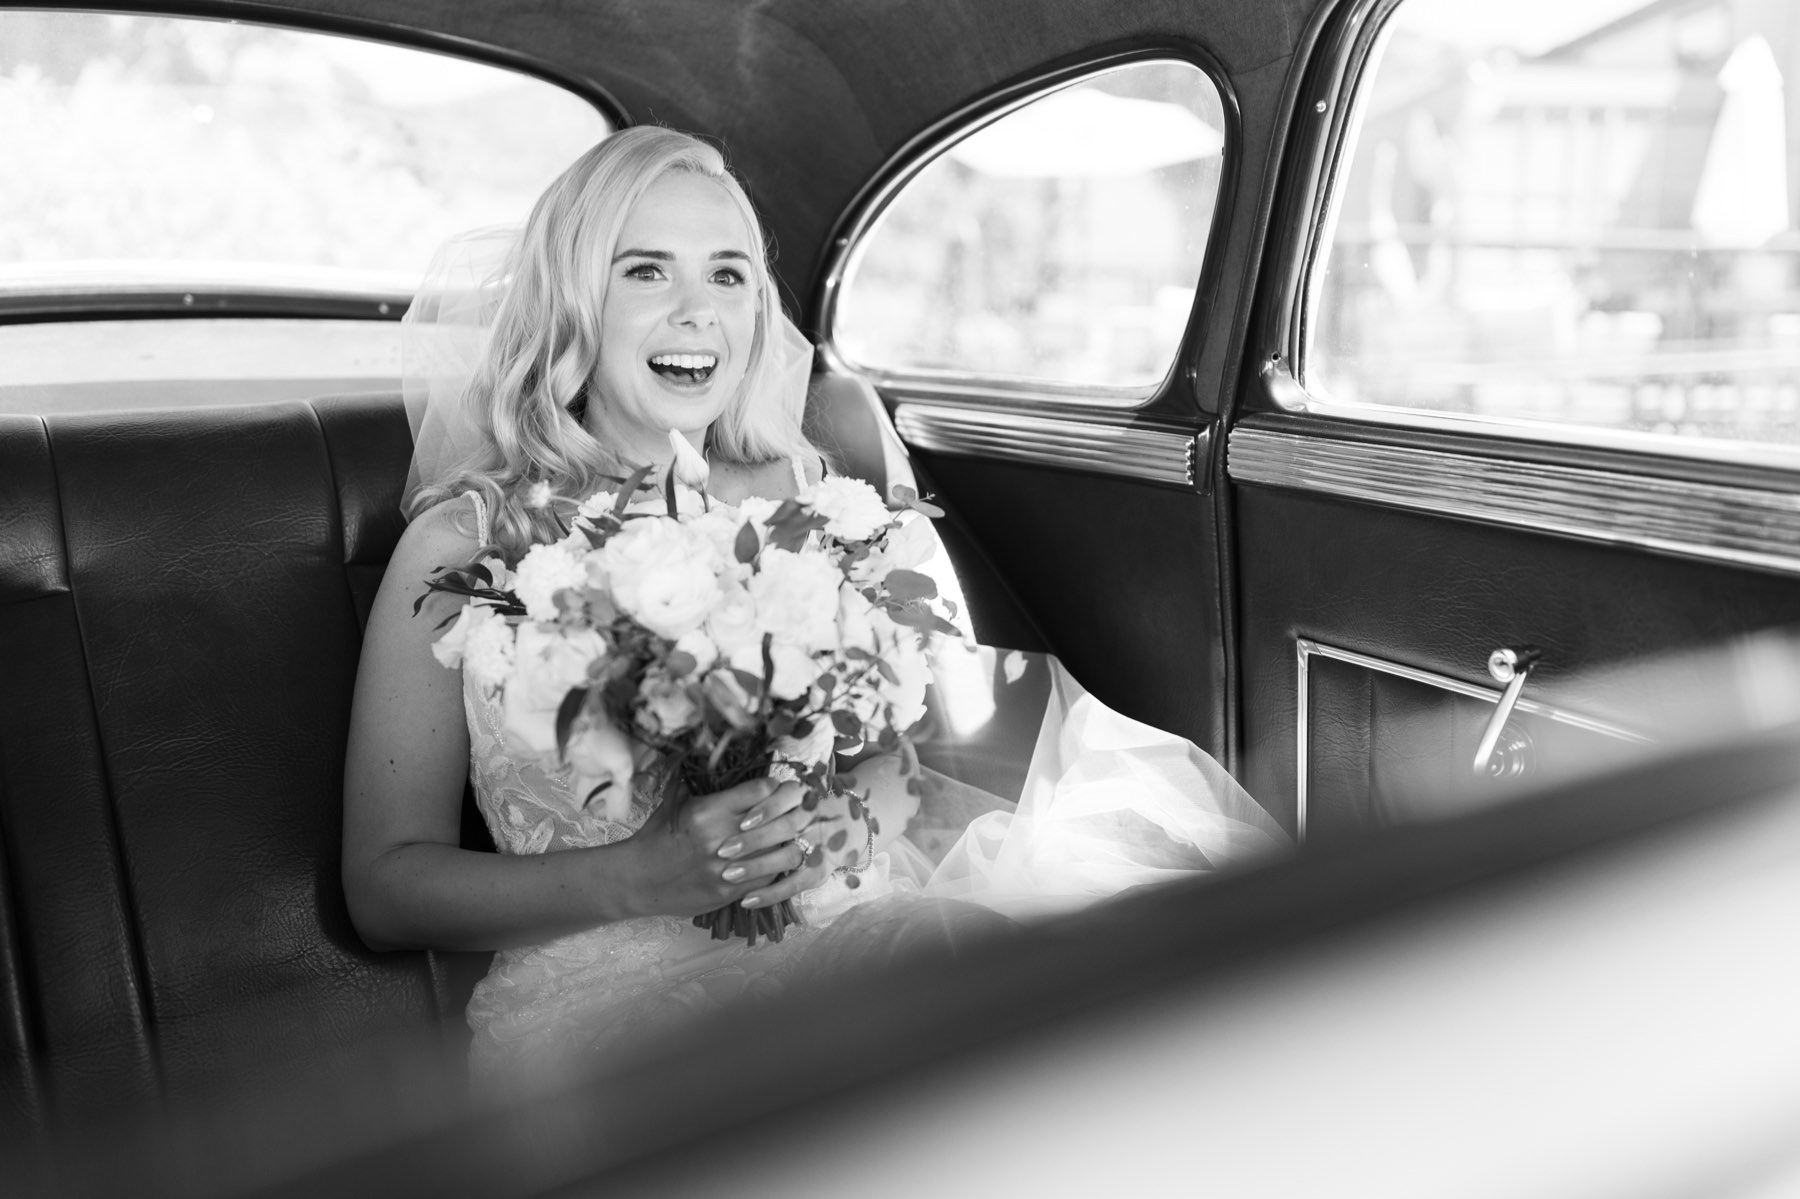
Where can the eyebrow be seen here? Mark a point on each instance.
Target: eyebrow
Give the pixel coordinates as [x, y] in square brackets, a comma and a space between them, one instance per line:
[665, 256]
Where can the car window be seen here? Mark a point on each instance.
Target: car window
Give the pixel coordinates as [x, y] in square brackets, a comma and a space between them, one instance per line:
[160, 165]
[1060, 244]
[1576, 214]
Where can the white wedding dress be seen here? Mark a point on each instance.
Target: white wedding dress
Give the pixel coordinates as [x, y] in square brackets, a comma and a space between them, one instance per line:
[1107, 804]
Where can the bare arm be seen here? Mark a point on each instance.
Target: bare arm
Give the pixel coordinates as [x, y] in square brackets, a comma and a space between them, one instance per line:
[407, 881]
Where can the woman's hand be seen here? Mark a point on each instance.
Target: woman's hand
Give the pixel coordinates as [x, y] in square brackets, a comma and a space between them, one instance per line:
[732, 845]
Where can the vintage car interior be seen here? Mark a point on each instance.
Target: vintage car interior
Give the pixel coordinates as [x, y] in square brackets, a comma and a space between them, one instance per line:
[1402, 404]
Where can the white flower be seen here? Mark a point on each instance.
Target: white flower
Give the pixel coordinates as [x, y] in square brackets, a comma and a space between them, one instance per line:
[538, 495]
[600, 754]
[663, 574]
[597, 505]
[795, 669]
[913, 668]
[667, 708]
[690, 464]
[811, 749]
[700, 647]
[548, 662]
[448, 649]
[854, 612]
[907, 547]
[852, 509]
[544, 571]
[797, 598]
[488, 652]
[732, 623]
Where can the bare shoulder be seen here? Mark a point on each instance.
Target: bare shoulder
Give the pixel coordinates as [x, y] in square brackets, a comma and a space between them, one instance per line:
[442, 535]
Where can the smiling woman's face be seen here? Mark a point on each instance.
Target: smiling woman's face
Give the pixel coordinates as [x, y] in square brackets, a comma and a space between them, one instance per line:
[678, 319]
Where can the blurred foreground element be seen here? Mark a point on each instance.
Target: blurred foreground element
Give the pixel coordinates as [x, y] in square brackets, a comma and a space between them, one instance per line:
[1585, 992]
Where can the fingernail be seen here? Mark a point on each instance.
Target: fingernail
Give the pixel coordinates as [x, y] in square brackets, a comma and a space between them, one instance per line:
[751, 821]
[731, 849]
[751, 901]
[732, 874]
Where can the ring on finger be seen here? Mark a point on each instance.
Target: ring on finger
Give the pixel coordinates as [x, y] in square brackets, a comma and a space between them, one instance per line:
[805, 847]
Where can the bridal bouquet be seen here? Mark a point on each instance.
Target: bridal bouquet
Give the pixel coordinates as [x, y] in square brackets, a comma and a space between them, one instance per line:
[711, 643]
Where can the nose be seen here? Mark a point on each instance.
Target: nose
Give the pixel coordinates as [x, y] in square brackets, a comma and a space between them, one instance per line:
[693, 307]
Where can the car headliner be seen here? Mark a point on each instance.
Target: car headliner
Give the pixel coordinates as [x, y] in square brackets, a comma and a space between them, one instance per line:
[811, 97]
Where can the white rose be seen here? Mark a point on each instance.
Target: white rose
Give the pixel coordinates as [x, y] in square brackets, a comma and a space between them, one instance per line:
[663, 574]
[852, 509]
[544, 571]
[795, 669]
[548, 662]
[698, 646]
[732, 622]
[797, 598]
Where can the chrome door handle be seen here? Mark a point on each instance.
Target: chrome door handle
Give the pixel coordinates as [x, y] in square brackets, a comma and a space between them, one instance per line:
[1512, 667]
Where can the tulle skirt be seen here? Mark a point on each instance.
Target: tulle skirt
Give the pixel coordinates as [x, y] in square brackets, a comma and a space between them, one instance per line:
[1107, 804]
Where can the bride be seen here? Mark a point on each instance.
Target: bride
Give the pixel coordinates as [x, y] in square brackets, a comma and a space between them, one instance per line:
[638, 300]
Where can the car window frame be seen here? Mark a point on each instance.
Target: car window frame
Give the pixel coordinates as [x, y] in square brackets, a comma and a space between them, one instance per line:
[1340, 54]
[860, 218]
[199, 298]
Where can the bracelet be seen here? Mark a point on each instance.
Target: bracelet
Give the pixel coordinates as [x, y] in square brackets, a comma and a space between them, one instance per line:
[868, 856]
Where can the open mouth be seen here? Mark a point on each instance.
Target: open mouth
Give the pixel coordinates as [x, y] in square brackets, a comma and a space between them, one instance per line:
[685, 368]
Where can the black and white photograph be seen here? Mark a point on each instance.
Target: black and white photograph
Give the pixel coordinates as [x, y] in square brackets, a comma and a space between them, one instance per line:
[934, 599]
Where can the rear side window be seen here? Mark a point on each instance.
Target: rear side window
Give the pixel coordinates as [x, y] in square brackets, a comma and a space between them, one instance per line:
[1570, 216]
[1059, 245]
[201, 166]
[143, 144]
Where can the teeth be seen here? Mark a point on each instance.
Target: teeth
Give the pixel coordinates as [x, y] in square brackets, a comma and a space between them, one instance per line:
[686, 362]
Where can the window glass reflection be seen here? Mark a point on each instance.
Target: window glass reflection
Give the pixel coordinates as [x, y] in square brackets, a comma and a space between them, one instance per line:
[1060, 244]
[1573, 211]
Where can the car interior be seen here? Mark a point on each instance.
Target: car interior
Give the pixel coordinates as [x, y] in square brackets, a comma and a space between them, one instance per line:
[1227, 537]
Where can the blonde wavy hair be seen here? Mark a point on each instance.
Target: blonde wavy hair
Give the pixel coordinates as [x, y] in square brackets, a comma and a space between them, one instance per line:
[530, 389]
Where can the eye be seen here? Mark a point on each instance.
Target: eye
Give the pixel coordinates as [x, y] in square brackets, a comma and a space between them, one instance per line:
[729, 276]
[648, 271]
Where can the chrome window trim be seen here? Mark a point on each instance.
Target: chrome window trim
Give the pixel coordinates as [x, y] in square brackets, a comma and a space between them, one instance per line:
[1288, 393]
[1129, 451]
[1744, 526]
[867, 210]
[1306, 647]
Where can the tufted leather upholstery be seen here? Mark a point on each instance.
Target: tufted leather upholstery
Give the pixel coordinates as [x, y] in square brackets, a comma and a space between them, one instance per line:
[181, 603]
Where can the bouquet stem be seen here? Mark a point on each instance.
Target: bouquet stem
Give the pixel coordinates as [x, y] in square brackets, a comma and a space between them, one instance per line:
[734, 919]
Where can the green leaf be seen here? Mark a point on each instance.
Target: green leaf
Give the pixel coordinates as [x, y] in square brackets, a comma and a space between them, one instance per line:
[846, 724]
[632, 485]
[679, 663]
[669, 493]
[751, 684]
[926, 508]
[903, 494]
[747, 544]
[909, 585]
